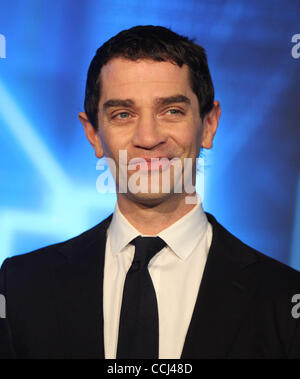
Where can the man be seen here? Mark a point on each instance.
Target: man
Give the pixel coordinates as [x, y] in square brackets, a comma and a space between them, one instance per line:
[160, 278]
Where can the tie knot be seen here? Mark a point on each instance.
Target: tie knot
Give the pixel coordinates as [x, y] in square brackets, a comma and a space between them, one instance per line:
[146, 248]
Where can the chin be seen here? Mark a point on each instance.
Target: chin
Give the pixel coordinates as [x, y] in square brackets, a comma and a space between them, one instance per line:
[149, 199]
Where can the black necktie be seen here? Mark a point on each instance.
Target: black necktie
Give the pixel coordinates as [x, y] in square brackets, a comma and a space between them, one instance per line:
[138, 328]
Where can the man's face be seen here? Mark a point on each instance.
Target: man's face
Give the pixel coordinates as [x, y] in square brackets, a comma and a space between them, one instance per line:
[148, 109]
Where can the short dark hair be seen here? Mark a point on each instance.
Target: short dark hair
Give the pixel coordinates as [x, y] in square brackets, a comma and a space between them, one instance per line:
[156, 43]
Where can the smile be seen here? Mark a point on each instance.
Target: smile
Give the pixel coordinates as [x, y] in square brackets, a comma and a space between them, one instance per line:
[149, 164]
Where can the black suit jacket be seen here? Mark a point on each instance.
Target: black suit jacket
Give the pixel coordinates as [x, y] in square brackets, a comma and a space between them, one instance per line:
[54, 302]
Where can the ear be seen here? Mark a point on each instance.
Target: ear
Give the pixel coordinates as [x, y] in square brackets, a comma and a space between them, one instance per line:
[210, 125]
[92, 135]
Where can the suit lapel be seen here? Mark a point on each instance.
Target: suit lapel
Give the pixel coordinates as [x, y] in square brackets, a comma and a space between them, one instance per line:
[227, 287]
[228, 284]
[79, 284]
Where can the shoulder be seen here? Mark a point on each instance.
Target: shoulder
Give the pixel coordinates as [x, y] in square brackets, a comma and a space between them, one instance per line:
[275, 274]
[48, 255]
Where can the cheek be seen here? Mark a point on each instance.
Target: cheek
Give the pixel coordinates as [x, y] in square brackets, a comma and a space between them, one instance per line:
[111, 151]
[107, 140]
[197, 137]
[189, 139]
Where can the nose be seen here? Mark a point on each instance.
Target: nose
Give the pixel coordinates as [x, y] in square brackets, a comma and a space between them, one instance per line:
[147, 134]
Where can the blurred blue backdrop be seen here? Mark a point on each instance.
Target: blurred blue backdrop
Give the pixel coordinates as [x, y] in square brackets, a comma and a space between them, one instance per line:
[48, 169]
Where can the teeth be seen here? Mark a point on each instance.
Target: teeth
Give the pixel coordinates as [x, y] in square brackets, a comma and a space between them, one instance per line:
[154, 164]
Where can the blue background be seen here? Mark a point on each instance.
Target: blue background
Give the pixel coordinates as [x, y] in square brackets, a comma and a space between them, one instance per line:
[47, 167]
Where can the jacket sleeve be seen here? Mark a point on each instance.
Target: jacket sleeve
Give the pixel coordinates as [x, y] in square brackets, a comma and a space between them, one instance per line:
[6, 344]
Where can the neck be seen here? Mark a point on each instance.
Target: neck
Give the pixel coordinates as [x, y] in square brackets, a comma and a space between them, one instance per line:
[151, 217]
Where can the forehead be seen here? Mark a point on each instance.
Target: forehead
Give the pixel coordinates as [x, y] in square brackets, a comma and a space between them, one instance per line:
[143, 77]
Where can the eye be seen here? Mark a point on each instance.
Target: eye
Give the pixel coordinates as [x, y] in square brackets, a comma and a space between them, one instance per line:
[122, 115]
[174, 111]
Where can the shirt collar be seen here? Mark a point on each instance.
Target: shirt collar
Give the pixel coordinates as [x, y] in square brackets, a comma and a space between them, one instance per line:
[121, 232]
[182, 236]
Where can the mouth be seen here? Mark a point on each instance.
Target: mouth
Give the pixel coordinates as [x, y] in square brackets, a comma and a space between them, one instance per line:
[149, 164]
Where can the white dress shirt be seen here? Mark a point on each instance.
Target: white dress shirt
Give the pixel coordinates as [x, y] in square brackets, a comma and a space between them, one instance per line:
[176, 272]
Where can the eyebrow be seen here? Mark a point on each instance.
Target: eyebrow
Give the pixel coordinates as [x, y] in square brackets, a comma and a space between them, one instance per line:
[161, 101]
[172, 99]
[117, 103]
